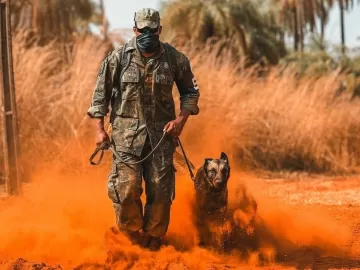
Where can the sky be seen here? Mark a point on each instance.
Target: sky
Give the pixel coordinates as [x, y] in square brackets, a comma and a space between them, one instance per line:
[120, 15]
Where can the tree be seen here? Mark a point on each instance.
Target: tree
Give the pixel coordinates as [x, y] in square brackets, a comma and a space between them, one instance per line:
[54, 18]
[323, 10]
[344, 5]
[299, 18]
[289, 18]
[238, 23]
[296, 15]
[104, 20]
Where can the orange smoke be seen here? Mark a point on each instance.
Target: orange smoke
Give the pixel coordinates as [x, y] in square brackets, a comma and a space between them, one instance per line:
[291, 228]
[63, 219]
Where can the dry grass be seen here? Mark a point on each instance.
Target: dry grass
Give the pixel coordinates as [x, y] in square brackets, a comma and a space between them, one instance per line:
[53, 86]
[277, 122]
[273, 123]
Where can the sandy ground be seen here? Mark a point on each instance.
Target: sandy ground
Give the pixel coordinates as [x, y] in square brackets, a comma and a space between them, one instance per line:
[319, 216]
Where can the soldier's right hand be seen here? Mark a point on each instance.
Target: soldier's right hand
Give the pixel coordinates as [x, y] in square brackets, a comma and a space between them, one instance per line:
[101, 137]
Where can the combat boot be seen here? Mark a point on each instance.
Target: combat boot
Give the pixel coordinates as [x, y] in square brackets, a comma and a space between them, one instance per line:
[154, 243]
[134, 237]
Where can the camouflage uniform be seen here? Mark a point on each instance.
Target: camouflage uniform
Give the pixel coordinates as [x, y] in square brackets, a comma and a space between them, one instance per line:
[139, 113]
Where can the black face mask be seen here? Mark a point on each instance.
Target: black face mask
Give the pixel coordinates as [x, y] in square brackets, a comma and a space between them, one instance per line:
[147, 42]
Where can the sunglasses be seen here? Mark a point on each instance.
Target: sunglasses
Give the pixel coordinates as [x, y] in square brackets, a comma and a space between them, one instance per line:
[147, 30]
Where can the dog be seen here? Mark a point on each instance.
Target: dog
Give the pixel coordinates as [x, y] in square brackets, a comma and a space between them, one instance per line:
[211, 201]
[221, 225]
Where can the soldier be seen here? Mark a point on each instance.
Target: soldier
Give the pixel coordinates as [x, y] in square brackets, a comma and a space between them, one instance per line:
[142, 109]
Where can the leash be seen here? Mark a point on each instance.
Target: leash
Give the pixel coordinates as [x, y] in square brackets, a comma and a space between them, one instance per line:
[186, 160]
[107, 146]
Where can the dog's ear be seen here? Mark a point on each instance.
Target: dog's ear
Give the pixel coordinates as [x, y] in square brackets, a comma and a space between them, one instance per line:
[224, 157]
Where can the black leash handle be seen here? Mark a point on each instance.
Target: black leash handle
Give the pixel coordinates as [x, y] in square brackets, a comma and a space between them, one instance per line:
[101, 147]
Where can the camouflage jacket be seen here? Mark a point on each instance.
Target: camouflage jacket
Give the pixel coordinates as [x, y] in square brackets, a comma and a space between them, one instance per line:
[145, 103]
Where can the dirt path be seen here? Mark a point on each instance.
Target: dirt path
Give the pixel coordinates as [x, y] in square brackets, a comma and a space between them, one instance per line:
[338, 200]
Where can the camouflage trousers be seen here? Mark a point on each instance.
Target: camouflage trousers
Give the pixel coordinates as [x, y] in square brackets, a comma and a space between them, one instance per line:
[125, 190]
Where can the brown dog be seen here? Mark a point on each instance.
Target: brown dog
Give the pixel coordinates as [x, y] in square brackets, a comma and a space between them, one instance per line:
[210, 207]
[222, 225]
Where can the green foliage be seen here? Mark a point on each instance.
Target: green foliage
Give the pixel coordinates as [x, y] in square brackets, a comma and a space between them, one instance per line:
[352, 65]
[51, 19]
[309, 63]
[249, 34]
[254, 31]
[251, 31]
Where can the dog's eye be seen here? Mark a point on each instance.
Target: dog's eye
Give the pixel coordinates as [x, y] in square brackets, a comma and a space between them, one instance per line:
[212, 172]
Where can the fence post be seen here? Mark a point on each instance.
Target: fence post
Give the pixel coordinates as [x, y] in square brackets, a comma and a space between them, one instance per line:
[10, 133]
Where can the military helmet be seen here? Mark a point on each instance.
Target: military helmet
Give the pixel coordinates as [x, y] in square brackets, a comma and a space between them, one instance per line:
[147, 17]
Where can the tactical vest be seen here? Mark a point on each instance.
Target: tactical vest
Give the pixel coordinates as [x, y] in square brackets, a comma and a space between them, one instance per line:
[143, 102]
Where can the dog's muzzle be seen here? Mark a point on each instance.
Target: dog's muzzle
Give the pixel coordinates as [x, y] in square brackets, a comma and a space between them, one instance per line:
[218, 181]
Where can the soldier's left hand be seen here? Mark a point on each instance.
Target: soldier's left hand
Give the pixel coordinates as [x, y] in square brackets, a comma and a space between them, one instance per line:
[174, 127]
